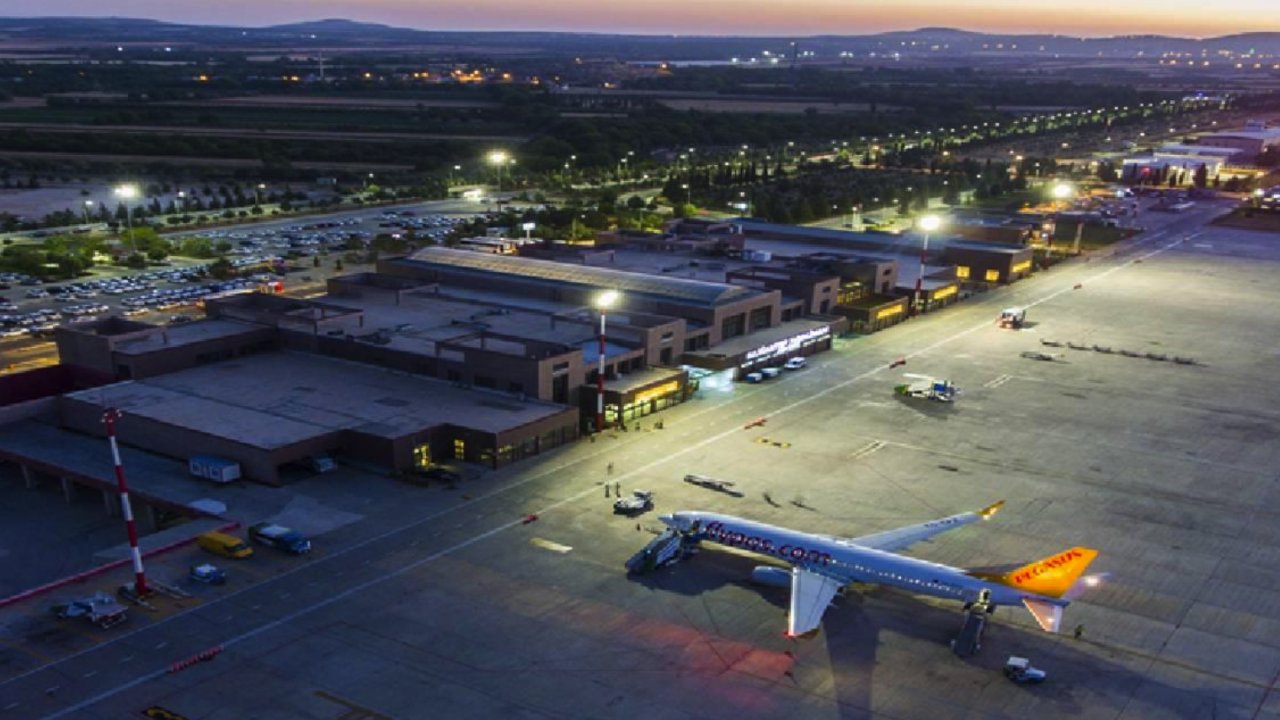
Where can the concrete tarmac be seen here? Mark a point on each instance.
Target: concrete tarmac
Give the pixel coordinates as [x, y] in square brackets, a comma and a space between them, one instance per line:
[463, 610]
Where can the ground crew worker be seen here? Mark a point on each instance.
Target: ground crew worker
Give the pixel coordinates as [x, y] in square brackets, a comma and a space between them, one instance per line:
[1078, 631]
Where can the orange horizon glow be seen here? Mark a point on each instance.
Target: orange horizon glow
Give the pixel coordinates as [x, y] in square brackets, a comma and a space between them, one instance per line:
[1183, 18]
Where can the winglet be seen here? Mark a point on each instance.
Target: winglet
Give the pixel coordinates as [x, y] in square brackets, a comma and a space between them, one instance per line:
[991, 509]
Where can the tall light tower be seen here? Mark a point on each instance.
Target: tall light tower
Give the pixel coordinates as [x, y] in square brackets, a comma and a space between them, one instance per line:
[127, 193]
[110, 416]
[498, 158]
[604, 301]
[1061, 193]
[928, 223]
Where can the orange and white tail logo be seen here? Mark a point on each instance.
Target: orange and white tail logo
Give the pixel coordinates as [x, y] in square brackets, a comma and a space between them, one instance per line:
[1053, 576]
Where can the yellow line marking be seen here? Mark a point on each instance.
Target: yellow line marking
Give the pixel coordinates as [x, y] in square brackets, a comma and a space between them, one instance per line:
[548, 545]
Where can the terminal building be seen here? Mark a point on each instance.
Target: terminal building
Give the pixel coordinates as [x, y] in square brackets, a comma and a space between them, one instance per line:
[442, 355]
[465, 355]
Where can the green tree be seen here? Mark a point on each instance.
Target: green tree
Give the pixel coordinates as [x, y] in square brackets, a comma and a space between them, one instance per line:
[221, 269]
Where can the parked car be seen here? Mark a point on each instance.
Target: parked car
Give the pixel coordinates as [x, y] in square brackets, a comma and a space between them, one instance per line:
[208, 573]
[796, 363]
[754, 377]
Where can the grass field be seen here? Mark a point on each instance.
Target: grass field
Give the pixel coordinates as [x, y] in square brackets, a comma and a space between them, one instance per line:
[1094, 236]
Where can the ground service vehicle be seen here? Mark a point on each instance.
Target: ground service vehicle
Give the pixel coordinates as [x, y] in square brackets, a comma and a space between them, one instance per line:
[640, 501]
[225, 545]
[280, 537]
[1012, 318]
[707, 482]
[1019, 670]
[929, 388]
[795, 363]
[669, 547]
[100, 609]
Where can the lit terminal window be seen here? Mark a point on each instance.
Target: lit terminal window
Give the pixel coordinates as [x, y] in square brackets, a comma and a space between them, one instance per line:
[1023, 266]
[944, 293]
[889, 312]
[993, 276]
[962, 272]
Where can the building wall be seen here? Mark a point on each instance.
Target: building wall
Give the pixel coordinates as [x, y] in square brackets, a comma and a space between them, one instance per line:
[1006, 266]
[1249, 146]
[171, 359]
[255, 463]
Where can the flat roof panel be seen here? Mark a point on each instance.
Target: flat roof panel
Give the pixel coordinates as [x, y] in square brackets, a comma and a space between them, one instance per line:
[703, 292]
[273, 399]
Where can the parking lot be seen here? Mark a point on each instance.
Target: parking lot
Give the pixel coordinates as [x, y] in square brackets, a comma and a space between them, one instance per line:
[282, 252]
[508, 598]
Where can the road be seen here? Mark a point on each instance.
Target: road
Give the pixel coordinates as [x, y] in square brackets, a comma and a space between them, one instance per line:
[459, 607]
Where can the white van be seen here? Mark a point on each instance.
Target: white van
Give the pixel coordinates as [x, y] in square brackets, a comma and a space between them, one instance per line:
[795, 363]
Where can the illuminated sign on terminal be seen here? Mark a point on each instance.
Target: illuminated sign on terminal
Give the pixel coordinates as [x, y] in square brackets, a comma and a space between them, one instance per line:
[789, 345]
[654, 393]
[889, 312]
[944, 293]
[1022, 266]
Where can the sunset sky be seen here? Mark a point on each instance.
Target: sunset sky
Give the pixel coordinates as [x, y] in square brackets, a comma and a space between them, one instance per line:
[1194, 18]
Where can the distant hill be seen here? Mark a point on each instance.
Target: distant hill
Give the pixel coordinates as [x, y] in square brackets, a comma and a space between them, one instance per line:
[78, 31]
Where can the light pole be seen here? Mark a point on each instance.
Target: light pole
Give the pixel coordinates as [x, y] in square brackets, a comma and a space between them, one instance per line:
[454, 169]
[928, 224]
[182, 201]
[126, 193]
[604, 301]
[257, 198]
[498, 158]
[87, 204]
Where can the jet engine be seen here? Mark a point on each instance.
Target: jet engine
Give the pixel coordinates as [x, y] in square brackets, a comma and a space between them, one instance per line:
[771, 576]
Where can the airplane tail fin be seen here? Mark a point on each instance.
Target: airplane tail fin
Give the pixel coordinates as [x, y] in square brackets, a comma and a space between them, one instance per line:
[1054, 576]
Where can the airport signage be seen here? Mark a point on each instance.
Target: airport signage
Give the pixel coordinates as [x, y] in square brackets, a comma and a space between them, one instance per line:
[789, 345]
[889, 312]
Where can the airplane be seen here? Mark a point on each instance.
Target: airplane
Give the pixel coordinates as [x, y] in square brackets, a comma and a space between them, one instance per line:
[822, 565]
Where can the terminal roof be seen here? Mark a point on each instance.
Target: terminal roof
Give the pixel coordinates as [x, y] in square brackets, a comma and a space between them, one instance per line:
[702, 292]
[276, 399]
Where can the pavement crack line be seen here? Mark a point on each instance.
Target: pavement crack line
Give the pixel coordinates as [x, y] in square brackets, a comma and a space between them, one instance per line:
[519, 522]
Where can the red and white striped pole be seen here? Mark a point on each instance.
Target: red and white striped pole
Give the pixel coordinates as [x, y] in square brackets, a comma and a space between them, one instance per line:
[140, 580]
[603, 302]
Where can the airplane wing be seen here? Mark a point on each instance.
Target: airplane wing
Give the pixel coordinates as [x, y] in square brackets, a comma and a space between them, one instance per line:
[811, 593]
[904, 537]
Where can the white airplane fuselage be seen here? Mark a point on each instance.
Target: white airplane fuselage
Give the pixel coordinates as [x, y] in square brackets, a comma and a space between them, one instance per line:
[850, 562]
